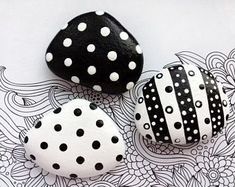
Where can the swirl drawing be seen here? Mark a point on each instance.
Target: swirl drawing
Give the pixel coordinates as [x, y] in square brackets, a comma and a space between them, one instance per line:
[206, 164]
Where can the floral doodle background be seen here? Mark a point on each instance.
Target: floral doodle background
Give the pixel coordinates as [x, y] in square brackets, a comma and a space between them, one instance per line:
[206, 164]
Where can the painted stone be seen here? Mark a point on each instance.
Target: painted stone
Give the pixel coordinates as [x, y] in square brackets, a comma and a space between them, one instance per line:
[76, 140]
[95, 50]
[181, 104]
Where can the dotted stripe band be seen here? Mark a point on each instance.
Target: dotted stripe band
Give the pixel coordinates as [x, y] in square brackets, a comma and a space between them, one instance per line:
[154, 108]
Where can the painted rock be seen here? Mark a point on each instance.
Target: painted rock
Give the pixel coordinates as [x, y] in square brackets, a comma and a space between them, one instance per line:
[181, 104]
[95, 50]
[76, 140]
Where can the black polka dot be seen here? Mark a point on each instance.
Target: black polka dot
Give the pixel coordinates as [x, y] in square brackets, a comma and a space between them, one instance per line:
[115, 139]
[99, 166]
[38, 125]
[32, 157]
[198, 104]
[227, 116]
[168, 89]
[93, 106]
[207, 120]
[26, 139]
[204, 137]
[191, 73]
[77, 112]
[57, 127]
[57, 111]
[177, 125]
[99, 123]
[80, 160]
[201, 86]
[140, 100]
[56, 166]
[96, 144]
[148, 136]
[146, 126]
[159, 75]
[73, 175]
[137, 116]
[119, 158]
[80, 132]
[63, 147]
[169, 109]
[225, 103]
[44, 145]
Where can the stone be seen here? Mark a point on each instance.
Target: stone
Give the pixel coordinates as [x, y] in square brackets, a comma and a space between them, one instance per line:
[76, 140]
[96, 51]
[181, 104]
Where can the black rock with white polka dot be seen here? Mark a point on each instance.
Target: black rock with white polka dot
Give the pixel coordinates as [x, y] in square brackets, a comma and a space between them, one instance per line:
[96, 51]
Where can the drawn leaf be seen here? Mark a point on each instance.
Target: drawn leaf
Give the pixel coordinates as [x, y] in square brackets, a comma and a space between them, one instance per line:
[222, 148]
[194, 183]
[178, 179]
[164, 177]
[202, 179]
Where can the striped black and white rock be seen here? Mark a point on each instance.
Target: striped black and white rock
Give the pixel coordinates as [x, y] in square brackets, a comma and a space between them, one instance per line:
[95, 50]
[76, 140]
[181, 104]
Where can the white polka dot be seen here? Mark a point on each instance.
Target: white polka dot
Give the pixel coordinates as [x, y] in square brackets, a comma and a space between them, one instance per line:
[188, 99]
[185, 121]
[183, 81]
[75, 79]
[114, 76]
[82, 26]
[138, 49]
[150, 85]
[182, 102]
[176, 84]
[67, 42]
[188, 129]
[91, 48]
[192, 121]
[124, 36]
[129, 85]
[49, 57]
[166, 138]
[156, 106]
[152, 90]
[160, 128]
[132, 65]
[105, 31]
[213, 119]
[186, 90]
[91, 70]
[112, 55]
[190, 109]
[153, 123]
[149, 108]
[97, 88]
[147, 96]
[184, 113]
[68, 62]
[157, 134]
[216, 96]
[65, 26]
[180, 68]
[153, 98]
[155, 116]
[219, 117]
[179, 94]
[162, 120]
[190, 138]
[99, 12]
[212, 82]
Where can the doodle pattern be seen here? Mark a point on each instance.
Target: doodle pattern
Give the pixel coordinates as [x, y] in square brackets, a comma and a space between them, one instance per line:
[210, 163]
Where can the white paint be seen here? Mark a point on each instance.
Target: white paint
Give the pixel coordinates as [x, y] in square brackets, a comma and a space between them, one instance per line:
[132, 65]
[105, 31]
[123, 35]
[130, 85]
[82, 26]
[138, 49]
[97, 88]
[68, 62]
[99, 12]
[91, 48]
[112, 55]
[75, 79]
[67, 42]
[49, 57]
[91, 70]
[114, 76]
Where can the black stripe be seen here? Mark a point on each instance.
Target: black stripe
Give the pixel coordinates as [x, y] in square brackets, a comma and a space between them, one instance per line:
[215, 105]
[160, 126]
[187, 109]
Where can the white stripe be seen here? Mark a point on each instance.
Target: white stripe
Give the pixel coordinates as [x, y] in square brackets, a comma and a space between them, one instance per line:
[142, 109]
[201, 95]
[169, 99]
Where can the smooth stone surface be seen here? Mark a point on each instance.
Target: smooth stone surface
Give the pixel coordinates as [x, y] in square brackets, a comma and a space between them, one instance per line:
[96, 51]
[77, 140]
[182, 104]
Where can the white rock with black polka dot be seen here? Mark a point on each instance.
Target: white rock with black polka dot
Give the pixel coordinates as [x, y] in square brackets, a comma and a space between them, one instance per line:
[76, 140]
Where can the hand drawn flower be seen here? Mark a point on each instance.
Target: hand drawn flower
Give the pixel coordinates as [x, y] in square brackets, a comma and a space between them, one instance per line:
[219, 170]
[5, 159]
